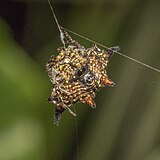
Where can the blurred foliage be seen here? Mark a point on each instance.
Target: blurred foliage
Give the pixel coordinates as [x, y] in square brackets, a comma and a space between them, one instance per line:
[125, 124]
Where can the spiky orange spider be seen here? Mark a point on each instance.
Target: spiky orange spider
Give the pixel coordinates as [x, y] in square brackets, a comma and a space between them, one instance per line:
[77, 74]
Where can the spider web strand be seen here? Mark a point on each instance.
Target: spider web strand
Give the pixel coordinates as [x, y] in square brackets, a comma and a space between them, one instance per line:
[121, 54]
[57, 23]
[77, 140]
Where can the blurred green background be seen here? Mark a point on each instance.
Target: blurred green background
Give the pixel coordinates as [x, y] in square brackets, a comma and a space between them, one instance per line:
[126, 123]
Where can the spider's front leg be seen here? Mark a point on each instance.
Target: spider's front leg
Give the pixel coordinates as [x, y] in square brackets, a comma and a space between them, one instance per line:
[111, 50]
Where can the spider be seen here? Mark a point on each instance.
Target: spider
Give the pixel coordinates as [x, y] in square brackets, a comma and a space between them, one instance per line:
[77, 73]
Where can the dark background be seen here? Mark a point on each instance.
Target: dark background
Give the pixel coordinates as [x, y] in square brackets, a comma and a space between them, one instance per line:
[126, 123]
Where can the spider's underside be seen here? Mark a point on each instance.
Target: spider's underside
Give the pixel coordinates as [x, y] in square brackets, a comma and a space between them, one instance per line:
[77, 74]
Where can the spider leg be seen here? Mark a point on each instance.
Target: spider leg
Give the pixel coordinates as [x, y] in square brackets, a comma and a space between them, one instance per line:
[67, 39]
[70, 111]
[57, 115]
[112, 50]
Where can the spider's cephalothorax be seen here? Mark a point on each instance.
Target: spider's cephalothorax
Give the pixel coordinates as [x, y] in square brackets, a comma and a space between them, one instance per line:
[77, 73]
